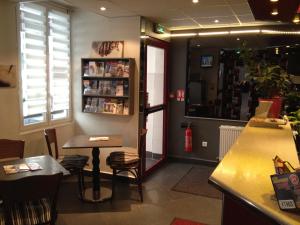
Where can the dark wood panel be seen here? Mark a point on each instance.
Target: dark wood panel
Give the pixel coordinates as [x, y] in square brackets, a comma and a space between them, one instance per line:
[236, 213]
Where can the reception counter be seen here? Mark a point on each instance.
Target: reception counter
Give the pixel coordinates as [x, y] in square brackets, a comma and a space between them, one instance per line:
[244, 177]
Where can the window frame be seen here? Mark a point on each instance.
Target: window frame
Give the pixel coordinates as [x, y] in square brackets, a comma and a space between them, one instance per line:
[48, 121]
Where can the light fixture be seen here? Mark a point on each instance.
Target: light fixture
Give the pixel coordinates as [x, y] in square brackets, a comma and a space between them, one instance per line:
[213, 33]
[102, 8]
[234, 32]
[198, 45]
[144, 36]
[274, 12]
[273, 0]
[195, 1]
[276, 51]
[183, 35]
[287, 46]
[216, 21]
[237, 39]
[244, 31]
[296, 19]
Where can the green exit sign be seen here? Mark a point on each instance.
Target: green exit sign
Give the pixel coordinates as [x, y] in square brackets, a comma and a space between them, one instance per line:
[159, 29]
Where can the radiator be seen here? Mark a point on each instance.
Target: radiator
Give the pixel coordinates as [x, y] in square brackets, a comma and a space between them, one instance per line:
[228, 135]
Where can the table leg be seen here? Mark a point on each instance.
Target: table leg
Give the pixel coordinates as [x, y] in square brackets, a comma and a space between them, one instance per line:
[96, 193]
[96, 173]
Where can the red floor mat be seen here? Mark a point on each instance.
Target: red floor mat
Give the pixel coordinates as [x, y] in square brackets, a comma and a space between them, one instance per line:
[178, 221]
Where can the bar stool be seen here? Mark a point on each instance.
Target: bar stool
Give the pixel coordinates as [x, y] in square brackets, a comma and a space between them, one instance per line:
[122, 161]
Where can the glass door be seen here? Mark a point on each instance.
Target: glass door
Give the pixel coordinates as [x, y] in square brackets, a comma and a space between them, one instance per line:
[155, 103]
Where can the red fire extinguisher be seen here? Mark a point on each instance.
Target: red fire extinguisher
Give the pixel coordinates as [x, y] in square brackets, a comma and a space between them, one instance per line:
[188, 139]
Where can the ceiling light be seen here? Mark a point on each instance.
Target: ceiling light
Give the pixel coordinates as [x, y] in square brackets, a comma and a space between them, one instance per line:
[195, 1]
[102, 8]
[237, 39]
[287, 46]
[274, 12]
[216, 21]
[296, 19]
[273, 0]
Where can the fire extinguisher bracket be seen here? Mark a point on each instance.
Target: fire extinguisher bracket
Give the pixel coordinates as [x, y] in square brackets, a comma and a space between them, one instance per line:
[186, 124]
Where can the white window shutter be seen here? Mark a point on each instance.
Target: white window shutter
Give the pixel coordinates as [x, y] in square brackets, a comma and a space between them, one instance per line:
[59, 63]
[33, 62]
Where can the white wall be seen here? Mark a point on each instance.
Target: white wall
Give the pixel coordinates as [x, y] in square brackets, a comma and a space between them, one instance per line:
[88, 27]
[10, 123]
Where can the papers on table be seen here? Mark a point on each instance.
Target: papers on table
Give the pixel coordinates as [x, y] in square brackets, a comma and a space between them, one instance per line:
[99, 138]
[17, 168]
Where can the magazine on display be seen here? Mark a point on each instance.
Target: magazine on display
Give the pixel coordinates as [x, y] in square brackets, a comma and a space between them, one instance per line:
[119, 88]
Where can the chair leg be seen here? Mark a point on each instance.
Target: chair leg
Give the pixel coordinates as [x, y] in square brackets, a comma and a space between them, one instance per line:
[80, 184]
[139, 182]
[113, 180]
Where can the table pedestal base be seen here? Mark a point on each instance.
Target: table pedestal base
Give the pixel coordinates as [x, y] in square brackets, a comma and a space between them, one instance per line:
[103, 194]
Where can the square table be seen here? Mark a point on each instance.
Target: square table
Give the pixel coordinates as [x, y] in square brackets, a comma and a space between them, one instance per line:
[95, 194]
[49, 166]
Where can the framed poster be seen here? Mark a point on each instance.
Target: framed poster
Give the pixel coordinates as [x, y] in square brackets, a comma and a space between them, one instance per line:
[206, 61]
[7, 76]
[107, 49]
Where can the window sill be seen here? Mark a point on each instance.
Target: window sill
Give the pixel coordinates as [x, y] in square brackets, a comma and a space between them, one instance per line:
[35, 130]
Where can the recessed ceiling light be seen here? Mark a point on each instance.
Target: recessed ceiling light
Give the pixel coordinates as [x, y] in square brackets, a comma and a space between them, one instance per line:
[237, 39]
[273, 0]
[296, 19]
[102, 8]
[216, 21]
[195, 1]
[274, 12]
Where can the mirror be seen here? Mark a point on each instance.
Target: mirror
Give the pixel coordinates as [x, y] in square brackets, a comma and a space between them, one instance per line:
[217, 84]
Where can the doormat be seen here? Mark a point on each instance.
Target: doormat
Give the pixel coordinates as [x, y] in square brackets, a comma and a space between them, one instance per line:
[195, 181]
[179, 221]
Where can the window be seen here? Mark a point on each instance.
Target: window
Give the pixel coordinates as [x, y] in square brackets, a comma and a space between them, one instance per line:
[45, 64]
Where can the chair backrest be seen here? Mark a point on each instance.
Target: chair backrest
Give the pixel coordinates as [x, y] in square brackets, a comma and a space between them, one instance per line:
[50, 135]
[30, 188]
[11, 148]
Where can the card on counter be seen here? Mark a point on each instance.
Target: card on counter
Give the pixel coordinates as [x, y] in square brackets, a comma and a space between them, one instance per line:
[11, 169]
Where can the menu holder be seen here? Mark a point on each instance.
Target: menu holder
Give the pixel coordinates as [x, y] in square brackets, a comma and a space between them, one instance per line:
[98, 138]
[287, 190]
[286, 184]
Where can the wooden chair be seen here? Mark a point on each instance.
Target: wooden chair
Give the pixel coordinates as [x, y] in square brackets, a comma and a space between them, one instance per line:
[10, 149]
[122, 161]
[30, 200]
[73, 163]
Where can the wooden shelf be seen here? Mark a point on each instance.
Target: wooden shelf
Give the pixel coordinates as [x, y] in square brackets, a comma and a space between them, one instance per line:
[112, 76]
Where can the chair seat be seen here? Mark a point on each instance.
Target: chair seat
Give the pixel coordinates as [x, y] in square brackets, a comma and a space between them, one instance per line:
[121, 159]
[29, 213]
[73, 161]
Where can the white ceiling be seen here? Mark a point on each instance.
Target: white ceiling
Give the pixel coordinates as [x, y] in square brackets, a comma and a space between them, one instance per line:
[176, 14]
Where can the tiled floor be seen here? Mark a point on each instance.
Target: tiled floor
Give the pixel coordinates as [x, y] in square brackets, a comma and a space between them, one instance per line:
[160, 206]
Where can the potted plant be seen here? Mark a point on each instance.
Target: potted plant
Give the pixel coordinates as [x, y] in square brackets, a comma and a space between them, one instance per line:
[269, 80]
[294, 118]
